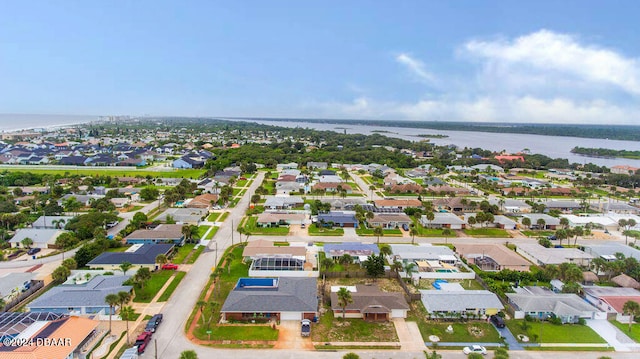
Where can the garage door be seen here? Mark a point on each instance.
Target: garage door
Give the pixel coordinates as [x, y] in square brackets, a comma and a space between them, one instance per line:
[290, 316]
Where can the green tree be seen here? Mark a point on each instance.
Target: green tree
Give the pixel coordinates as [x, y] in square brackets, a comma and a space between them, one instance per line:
[632, 309]
[501, 353]
[409, 269]
[345, 259]
[71, 204]
[125, 266]
[374, 265]
[344, 298]
[430, 216]
[189, 354]
[60, 274]
[161, 259]
[26, 242]
[413, 232]
[432, 355]
[541, 223]
[385, 249]
[70, 263]
[142, 276]
[526, 221]
[351, 356]
[475, 356]
[112, 300]
[150, 193]
[66, 240]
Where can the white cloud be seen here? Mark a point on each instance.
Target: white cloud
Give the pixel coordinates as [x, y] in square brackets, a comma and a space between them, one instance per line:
[416, 67]
[549, 54]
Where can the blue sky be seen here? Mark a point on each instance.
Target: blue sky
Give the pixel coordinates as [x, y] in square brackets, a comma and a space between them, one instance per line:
[511, 61]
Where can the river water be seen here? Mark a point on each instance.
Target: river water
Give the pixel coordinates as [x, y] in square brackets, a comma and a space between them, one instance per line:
[552, 146]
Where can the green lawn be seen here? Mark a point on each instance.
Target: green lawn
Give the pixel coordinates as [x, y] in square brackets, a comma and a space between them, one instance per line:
[487, 232]
[472, 332]
[212, 232]
[223, 217]
[213, 217]
[330, 329]
[152, 286]
[202, 230]
[635, 329]
[387, 232]
[182, 253]
[551, 333]
[241, 183]
[172, 286]
[134, 208]
[243, 332]
[315, 231]
[250, 226]
[195, 255]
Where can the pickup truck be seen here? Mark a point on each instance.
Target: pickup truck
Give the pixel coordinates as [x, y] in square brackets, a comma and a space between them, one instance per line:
[305, 329]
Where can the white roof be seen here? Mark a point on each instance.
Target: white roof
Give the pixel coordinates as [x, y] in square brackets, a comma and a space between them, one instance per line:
[350, 288]
[583, 220]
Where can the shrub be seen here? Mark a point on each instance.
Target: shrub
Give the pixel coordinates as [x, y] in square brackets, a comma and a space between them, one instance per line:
[351, 356]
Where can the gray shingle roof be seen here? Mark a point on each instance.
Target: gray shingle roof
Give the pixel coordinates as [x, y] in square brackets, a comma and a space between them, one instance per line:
[291, 295]
[146, 254]
[89, 294]
[459, 301]
[560, 304]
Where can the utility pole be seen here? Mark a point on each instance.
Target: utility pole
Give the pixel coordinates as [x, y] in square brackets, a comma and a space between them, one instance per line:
[155, 344]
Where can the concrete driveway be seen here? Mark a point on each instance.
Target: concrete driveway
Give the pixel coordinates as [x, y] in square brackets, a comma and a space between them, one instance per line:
[289, 336]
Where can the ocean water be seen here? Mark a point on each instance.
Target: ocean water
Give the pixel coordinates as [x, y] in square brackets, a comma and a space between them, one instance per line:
[13, 122]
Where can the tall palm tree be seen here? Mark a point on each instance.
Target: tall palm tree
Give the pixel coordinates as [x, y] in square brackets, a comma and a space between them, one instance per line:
[413, 232]
[112, 300]
[344, 298]
[189, 354]
[378, 232]
[632, 309]
[127, 313]
[409, 268]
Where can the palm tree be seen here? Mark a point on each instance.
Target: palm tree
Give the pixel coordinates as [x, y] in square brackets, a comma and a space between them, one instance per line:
[112, 300]
[344, 298]
[541, 223]
[345, 259]
[201, 304]
[430, 216]
[526, 221]
[396, 266]
[409, 268]
[632, 309]
[125, 266]
[378, 232]
[413, 232]
[187, 232]
[127, 313]
[385, 249]
[123, 297]
[188, 354]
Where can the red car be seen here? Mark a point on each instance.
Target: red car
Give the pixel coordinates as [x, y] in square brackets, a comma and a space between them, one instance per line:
[142, 341]
[170, 266]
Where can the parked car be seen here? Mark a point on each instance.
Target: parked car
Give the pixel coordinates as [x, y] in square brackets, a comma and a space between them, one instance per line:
[552, 237]
[112, 224]
[33, 251]
[475, 349]
[169, 266]
[153, 323]
[142, 341]
[497, 320]
[303, 225]
[405, 227]
[305, 329]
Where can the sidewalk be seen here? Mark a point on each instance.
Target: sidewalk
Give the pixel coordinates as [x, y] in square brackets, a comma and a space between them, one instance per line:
[614, 336]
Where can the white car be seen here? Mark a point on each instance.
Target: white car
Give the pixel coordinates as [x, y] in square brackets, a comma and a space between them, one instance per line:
[475, 349]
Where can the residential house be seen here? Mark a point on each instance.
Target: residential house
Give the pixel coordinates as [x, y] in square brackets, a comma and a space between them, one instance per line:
[164, 233]
[446, 190]
[398, 203]
[51, 222]
[611, 299]
[284, 166]
[188, 162]
[332, 187]
[370, 303]
[120, 202]
[40, 238]
[82, 297]
[204, 201]
[543, 304]
[276, 299]
[499, 221]
[337, 219]
[274, 219]
[511, 205]
[455, 204]
[389, 220]
[359, 251]
[405, 188]
[288, 188]
[623, 280]
[282, 202]
[282, 261]
[184, 215]
[492, 257]
[140, 255]
[563, 206]
[317, 165]
[615, 207]
[543, 256]
[624, 169]
[443, 220]
[74, 334]
[460, 303]
[549, 222]
[13, 284]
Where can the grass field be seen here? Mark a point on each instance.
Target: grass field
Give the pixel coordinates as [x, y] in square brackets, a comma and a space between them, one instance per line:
[212, 232]
[250, 226]
[330, 329]
[172, 287]
[530, 233]
[202, 230]
[551, 333]
[182, 253]
[635, 329]
[213, 217]
[487, 232]
[387, 232]
[152, 287]
[315, 231]
[195, 255]
[223, 217]
[472, 332]
[243, 332]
